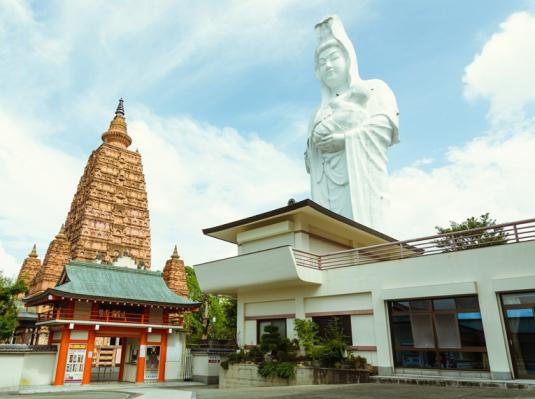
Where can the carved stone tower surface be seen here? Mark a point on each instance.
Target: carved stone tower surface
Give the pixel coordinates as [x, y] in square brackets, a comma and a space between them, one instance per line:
[174, 275]
[109, 215]
[30, 267]
[57, 256]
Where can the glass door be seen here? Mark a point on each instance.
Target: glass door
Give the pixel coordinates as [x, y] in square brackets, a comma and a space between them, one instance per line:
[152, 362]
[519, 314]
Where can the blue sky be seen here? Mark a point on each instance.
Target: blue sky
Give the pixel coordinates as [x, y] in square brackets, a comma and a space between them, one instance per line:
[218, 96]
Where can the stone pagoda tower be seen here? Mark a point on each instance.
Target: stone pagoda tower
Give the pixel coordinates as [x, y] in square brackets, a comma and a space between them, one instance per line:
[30, 267]
[174, 274]
[57, 256]
[109, 215]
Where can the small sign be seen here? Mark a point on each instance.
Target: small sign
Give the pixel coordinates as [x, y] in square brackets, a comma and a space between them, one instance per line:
[214, 359]
[142, 350]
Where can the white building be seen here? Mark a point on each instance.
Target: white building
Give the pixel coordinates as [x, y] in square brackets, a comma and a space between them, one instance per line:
[426, 304]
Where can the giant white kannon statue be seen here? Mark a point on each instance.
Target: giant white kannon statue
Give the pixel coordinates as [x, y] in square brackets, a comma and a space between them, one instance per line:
[350, 132]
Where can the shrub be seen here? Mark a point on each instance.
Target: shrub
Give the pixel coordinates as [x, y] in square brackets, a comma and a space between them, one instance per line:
[277, 347]
[275, 369]
[307, 332]
[234, 358]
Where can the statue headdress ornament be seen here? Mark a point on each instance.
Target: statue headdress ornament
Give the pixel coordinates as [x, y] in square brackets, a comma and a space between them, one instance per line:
[331, 32]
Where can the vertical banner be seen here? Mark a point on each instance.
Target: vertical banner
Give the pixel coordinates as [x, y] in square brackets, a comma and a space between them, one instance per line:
[74, 370]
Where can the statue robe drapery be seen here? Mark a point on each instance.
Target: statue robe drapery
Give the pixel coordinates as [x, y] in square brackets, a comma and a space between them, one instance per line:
[353, 182]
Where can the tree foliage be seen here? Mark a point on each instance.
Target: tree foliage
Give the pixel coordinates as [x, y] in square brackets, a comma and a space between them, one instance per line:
[216, 318]
[463, 239]
[8, 309]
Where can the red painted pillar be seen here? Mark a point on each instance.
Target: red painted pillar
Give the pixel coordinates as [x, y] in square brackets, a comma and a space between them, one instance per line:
[86, 379]
[163, 357]
[140, 375]
[62, 356]
[50, 336]
[123, 357]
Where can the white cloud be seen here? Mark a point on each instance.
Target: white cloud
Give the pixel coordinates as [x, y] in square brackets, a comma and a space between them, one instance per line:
[9, 267]
[37, 183]
[503, 71]
[199, 175]
[491, 173]
[488, 174]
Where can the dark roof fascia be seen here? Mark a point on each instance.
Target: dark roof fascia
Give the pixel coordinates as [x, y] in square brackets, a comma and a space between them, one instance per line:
[36, 296]
[292, 207]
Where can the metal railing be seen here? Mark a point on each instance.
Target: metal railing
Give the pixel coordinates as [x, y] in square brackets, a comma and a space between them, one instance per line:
[57, 313]
[500, 234]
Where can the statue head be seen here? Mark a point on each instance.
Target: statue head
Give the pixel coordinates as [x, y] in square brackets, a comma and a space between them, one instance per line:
[335, 58]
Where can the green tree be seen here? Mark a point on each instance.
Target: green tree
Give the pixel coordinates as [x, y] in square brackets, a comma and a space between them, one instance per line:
[8, 309]
[216, 318]
[462, 239]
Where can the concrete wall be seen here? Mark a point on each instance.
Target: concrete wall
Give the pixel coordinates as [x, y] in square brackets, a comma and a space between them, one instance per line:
[246, 375]
[485, 272]
[176, 343]
[26, 369]
[206, 367]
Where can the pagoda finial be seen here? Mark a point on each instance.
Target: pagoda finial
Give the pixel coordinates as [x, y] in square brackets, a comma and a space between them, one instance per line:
[117, 133]
[61, 231]
[33, 254]
[120, 108]
[175, 254]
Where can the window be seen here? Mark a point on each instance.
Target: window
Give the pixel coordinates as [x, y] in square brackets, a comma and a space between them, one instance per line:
[519, 315]
[262, 324]
[444, 333]
[327, 322]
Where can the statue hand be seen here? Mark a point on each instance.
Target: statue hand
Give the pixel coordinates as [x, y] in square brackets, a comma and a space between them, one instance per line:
[332, 142]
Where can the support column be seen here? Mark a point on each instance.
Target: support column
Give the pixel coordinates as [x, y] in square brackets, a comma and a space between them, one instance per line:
[385, 363]
[163, 357]
[123, 357]
[62, 356]
[140, 374]
[495, 336]
[240, 322]
[89, 354]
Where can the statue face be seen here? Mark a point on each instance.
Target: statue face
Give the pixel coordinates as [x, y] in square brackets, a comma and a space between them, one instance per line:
[332, 67]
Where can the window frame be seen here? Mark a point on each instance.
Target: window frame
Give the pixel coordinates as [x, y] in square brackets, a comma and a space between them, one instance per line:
[436, 348]
[349, 341]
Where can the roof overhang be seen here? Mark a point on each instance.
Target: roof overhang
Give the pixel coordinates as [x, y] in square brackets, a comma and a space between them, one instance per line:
[331, 223]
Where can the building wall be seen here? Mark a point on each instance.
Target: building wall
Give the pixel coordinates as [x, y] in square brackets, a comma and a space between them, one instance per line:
[26, 369]
[266, 243]
[484, 271]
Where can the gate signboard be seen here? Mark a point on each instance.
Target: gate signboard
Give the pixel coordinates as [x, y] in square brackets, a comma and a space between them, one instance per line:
[75, 363]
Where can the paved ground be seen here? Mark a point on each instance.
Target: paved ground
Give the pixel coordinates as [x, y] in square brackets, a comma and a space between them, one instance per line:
[362, 391]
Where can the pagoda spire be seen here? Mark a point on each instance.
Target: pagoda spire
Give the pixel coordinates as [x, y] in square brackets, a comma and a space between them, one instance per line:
[30, 267]
[117, 133]
[33, 254]
[120, 108]
[175, 254]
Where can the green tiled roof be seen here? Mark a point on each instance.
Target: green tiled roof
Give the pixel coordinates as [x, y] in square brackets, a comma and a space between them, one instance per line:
[117, 283]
